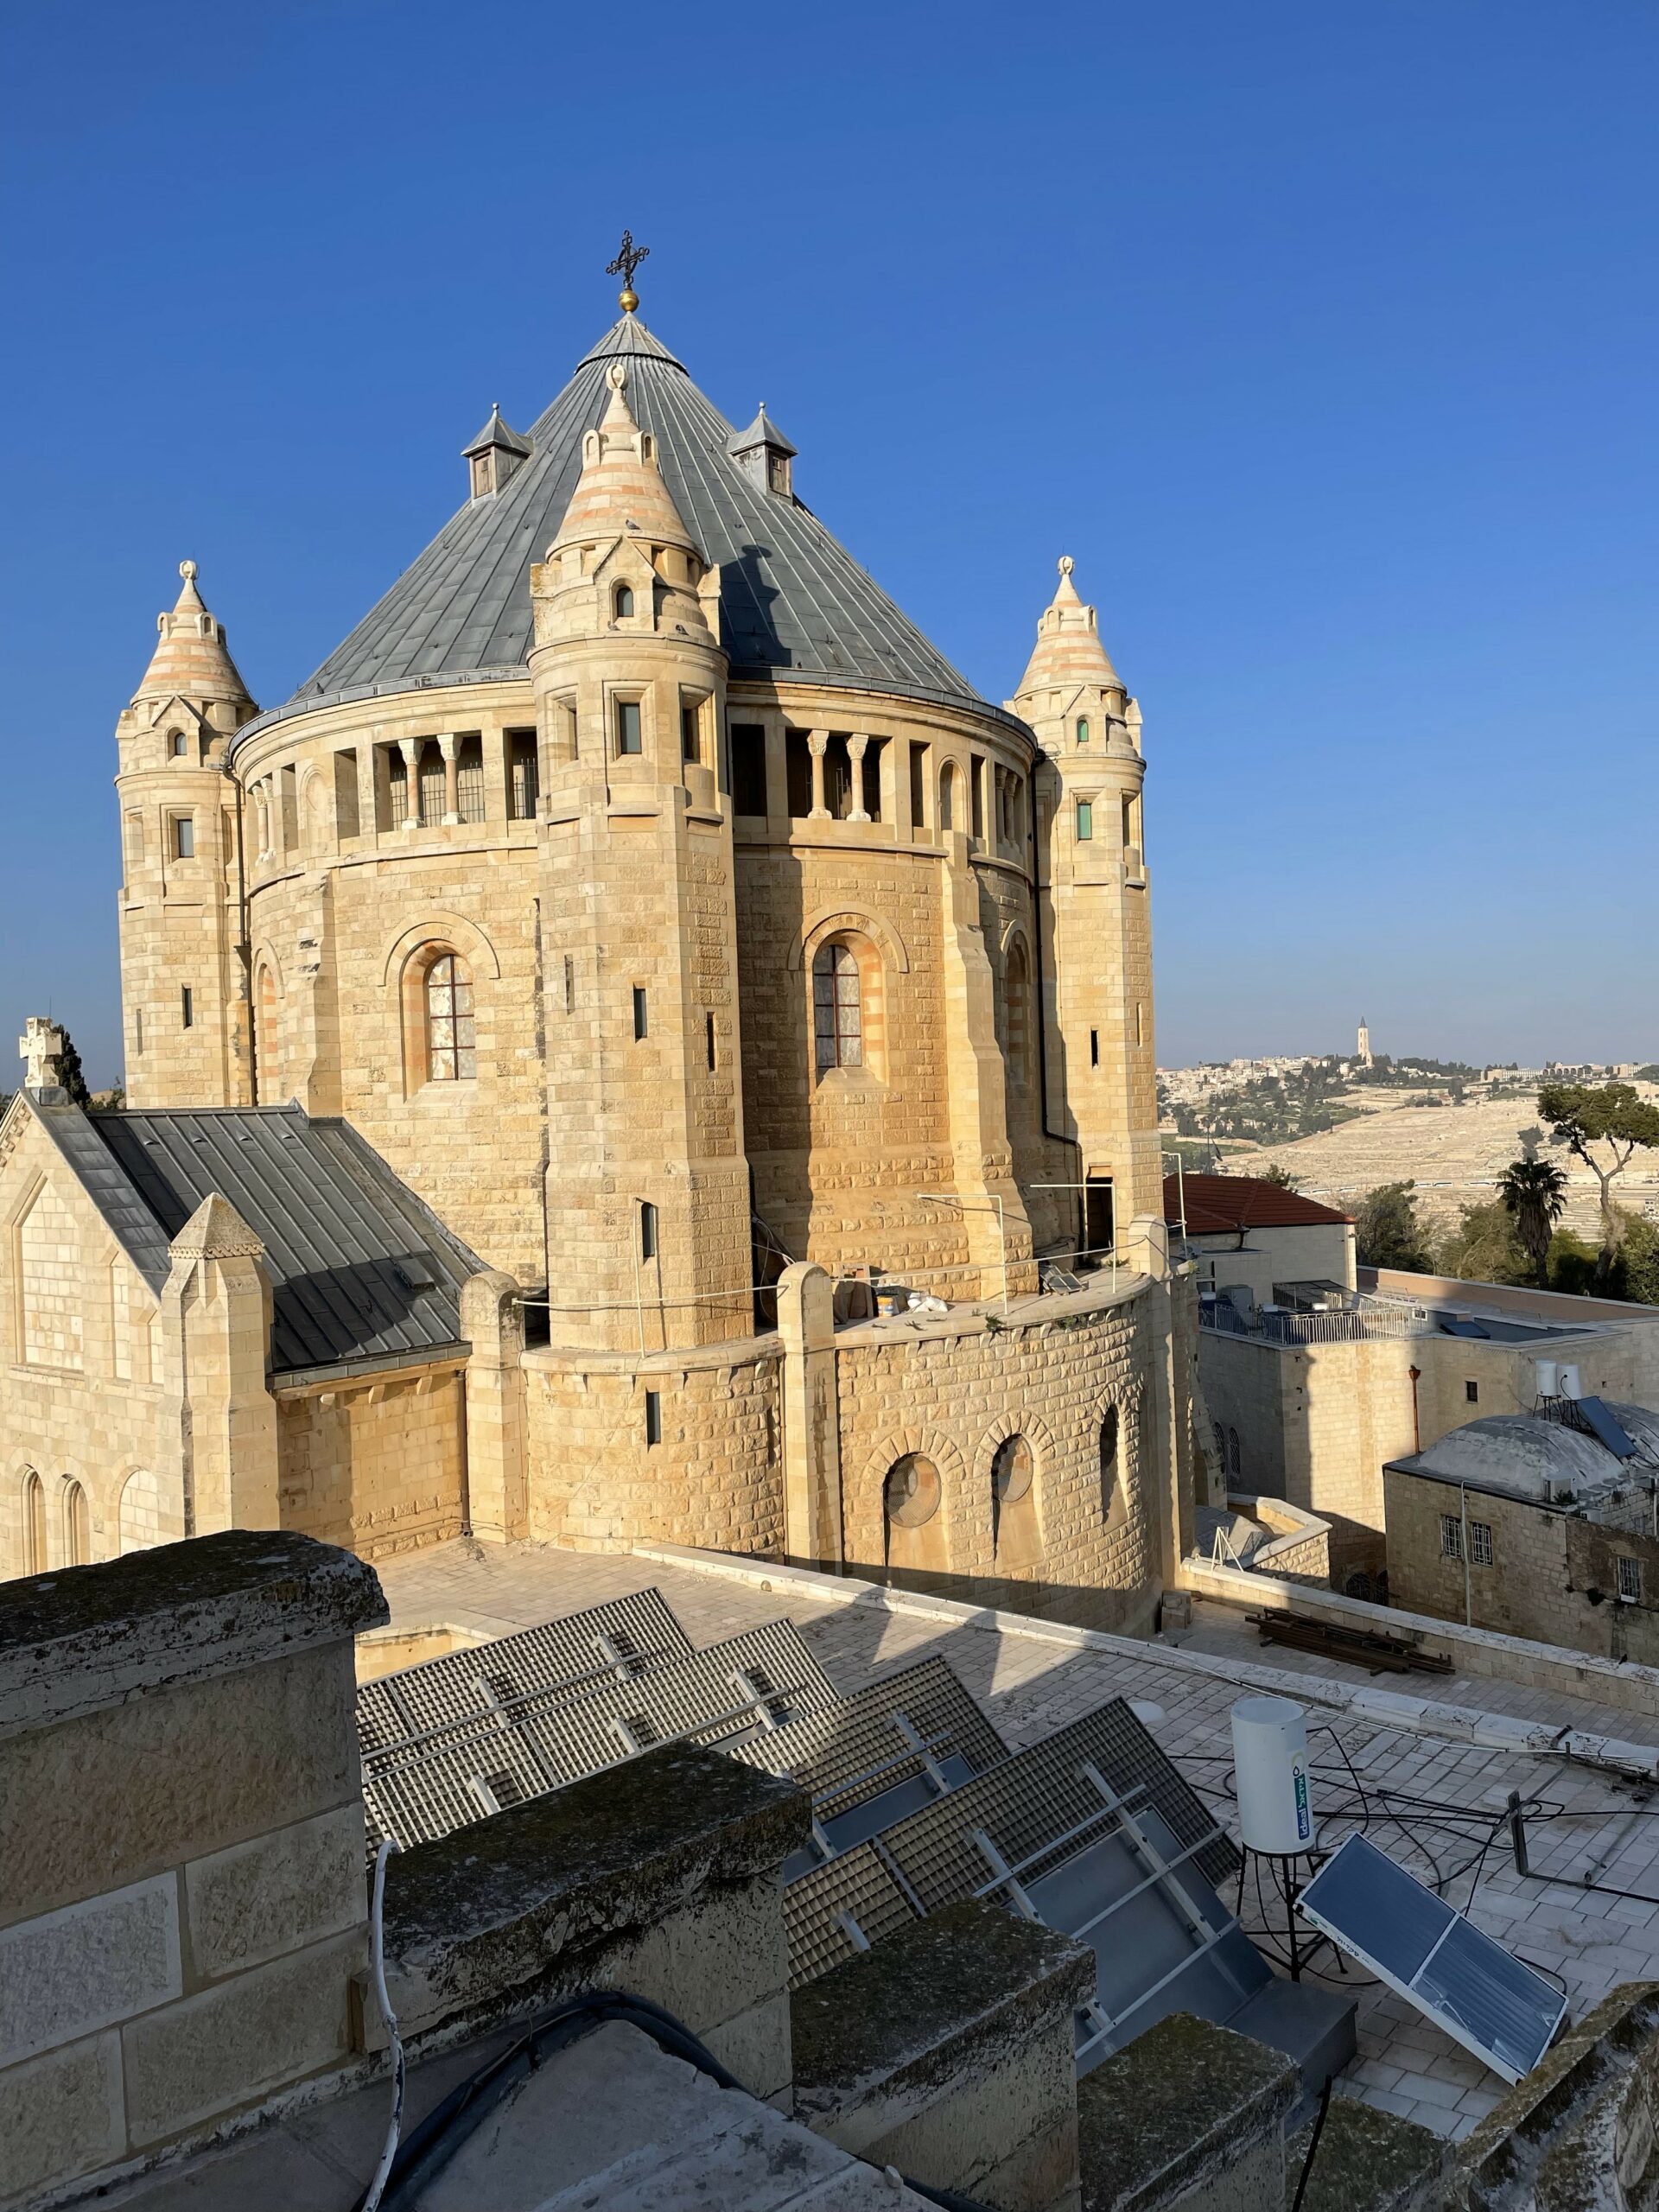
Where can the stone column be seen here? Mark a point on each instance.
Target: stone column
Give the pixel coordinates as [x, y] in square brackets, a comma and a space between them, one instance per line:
[410, 749]
[497, 1486]
[262, 817]
[806, 1321]
[856, 745]
[447, 745]
[817, 743]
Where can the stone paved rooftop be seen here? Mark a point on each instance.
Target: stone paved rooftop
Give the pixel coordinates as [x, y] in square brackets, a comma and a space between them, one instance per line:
[1461, 1750]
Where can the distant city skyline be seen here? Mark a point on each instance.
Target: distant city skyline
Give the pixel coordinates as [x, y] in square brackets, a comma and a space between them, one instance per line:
[1327, 364]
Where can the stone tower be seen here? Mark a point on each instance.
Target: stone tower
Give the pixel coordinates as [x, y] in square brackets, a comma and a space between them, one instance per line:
[648, 1239]
[1362, 1048]
[1097, 932]
[183, 988]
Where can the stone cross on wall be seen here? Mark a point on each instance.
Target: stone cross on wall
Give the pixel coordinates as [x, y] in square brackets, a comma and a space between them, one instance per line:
[40, 1047]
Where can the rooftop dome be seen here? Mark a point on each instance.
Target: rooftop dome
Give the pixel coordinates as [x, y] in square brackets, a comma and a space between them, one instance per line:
[1520, 1453]
[792, 601]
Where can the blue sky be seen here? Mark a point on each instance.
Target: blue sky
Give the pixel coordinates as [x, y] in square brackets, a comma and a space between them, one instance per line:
[1323, 339]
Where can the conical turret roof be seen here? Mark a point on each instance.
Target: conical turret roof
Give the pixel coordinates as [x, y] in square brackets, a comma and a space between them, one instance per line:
[1068, 651]
[793, 601]
[191, 658]
[621, 486]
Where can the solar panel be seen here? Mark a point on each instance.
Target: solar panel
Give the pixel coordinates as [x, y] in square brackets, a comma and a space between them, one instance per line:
[881, 1737]
[1603, 1425]
[1489, 2001]
[510, 1738]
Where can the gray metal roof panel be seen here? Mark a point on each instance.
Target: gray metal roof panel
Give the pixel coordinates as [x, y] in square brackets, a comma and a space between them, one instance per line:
[334, 1221]
[792, 600]
[110, 1189]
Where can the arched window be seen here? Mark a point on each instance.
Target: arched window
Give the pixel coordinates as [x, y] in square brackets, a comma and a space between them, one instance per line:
[624, 602]
[268, 1072]
[451, 1040]
[913, 1525]
[141, 1511]
[34, 1524]
[837, 1006]
[949, 796]
[1083, 730]
[1016, 1013]
[77, 1526]
[1233, 1457]
[176, 744]
[1112, 1505]
[1014, 1536]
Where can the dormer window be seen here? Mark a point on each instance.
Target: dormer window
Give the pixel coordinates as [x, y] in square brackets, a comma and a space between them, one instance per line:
[623, 602]
[763, 452]
[495, 455]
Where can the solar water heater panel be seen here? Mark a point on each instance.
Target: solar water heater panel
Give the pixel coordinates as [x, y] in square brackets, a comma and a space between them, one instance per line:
[1486, 1999]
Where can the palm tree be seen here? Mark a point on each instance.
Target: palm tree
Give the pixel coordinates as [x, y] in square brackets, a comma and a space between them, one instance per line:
[1534, 1191]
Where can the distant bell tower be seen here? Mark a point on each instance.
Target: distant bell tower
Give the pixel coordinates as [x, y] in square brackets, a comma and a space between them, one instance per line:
[648, 1235]
[1362, 1050]
[1093, 887]
[183, 989]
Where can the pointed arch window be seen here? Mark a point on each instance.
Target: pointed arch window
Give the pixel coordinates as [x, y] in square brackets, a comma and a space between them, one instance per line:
[77, 1526]
[837, 1006]
[451, 1038]
[34, 1560]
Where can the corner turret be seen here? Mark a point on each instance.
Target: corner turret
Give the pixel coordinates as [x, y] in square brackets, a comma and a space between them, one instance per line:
[184, 997]
[1093, 881]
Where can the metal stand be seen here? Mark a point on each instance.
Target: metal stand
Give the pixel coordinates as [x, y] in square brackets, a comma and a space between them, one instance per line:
[1289, 1887]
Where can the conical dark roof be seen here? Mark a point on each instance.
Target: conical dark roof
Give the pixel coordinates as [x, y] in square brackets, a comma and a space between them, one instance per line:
[792, 600]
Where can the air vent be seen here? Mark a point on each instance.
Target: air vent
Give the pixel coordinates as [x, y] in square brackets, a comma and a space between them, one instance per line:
[414, 1272]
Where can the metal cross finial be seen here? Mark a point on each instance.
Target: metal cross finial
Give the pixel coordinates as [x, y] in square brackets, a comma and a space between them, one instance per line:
[624, 266]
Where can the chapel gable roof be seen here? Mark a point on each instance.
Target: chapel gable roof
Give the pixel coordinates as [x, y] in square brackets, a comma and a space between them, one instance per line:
[1216, 1203]
[362, 1271]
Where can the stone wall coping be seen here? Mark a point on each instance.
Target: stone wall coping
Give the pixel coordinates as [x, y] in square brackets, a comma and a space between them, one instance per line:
[1571, 2076]
[1390, 1708]
[1174, 2108]
[84, 1637]
[686, 1359]
[1618, 1682]
[949, 1995]
[476, 1915]
[984, 1315]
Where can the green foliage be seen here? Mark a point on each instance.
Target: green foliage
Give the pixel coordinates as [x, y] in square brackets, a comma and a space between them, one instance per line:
[1602, 1124]
[1280, 1178]
[1534, 1192]
[1387, 1232]
[1572, 1264]
[1486, 1247]
[1276, 1109]
[70, 1078]
[1638, 1252]
[1648, 1074]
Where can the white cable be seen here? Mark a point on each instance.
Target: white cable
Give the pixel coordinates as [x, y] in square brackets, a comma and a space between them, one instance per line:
[377, 1961]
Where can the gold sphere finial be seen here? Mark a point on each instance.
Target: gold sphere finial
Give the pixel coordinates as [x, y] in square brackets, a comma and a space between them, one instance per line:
[627, 298]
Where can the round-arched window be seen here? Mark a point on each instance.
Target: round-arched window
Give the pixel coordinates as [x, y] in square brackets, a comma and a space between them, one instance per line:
[1083, 730]
[910, 1496]
[451, 1045]
[78, 1526]
[34, 1560]
[837, 1006]
[624, 602]
[1012, 1471]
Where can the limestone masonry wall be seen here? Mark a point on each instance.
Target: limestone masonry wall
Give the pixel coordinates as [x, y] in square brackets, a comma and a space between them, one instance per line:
[379, 1468]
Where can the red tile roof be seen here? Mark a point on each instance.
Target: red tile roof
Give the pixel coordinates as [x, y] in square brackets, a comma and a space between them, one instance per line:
[1218, 1203]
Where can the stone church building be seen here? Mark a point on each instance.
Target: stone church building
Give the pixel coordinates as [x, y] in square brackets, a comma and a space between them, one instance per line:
[559, 1037]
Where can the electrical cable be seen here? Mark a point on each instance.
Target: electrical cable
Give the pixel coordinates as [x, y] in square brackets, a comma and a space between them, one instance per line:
[376, 2188]
[429, 2147]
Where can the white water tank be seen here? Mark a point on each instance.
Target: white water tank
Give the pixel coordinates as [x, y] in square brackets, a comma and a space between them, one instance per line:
[1571, 1386]
[1548, 1373]
[1275, 1803]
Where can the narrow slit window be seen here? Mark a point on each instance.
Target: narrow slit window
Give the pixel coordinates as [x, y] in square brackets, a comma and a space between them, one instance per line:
[748, 768]
[691, 733]
[570, 984]
[647, 1229]
[641, 1021]
[1094, 1048]
[188, 1006]
[708, 1037]
[918, 789]
[1085, 821]
[184, 837]
[653, 1417]
[628, 739]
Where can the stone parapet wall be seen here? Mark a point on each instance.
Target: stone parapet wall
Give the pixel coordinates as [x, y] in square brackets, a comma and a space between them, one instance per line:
[379, 1466]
